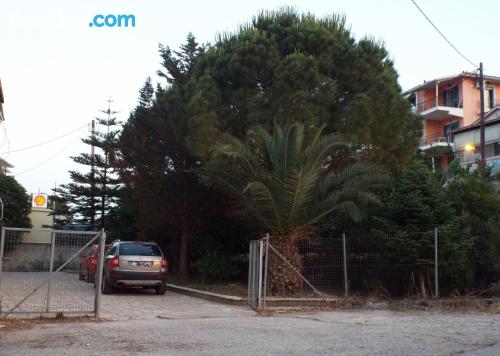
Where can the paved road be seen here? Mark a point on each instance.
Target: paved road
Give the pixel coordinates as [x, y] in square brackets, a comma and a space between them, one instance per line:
[142, 323]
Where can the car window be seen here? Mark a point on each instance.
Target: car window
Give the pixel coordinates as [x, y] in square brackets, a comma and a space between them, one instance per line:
[131, 249]
[112, 250]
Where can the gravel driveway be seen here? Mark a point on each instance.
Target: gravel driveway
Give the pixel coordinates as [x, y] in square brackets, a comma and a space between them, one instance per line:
[145, 324]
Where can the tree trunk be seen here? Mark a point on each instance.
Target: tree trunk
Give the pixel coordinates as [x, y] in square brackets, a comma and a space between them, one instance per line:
[183, 266]
[141, 235]
[283, 280]
[421, 283]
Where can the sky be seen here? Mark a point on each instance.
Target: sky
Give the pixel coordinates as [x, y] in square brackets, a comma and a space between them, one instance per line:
[57, 72]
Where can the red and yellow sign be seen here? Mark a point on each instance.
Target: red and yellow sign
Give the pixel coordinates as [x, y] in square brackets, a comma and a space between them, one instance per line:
[39, 200]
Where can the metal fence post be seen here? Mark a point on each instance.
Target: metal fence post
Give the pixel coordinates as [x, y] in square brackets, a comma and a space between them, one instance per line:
[346, 286]
[51, 268]
[250, 273]
[436, 263]
[2, 243]
[261, 264]
[266, 264]
[99, 276]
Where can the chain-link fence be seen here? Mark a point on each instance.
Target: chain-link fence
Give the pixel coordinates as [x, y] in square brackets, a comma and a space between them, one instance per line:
[48, 271]
[412, 263]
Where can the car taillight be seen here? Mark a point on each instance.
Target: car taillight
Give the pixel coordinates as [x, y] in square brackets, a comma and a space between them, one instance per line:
[115, 263]
[164, 265]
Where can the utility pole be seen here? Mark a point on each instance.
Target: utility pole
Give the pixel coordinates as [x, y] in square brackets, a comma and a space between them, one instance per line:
[106, 159]
[482, 162]
[92, 178]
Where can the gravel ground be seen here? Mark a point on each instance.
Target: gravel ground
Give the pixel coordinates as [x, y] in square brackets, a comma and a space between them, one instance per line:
[67, 292]
[141, 323]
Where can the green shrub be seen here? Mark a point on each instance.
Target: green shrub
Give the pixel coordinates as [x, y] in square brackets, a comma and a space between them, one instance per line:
[213, 267]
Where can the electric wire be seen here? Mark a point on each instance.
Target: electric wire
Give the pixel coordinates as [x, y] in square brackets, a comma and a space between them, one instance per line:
[45, 142]
[442, 35]
[47, 160]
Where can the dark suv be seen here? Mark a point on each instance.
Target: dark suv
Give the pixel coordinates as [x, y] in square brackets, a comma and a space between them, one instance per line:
[134, 264]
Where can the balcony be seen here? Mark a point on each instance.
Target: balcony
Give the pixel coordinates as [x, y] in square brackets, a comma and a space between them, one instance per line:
[428, 142]
[439, 108]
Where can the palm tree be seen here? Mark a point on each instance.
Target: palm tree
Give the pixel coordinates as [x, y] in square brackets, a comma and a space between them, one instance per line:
[287, 180]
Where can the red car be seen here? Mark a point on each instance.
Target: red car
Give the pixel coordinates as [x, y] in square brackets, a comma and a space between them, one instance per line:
[88, 264]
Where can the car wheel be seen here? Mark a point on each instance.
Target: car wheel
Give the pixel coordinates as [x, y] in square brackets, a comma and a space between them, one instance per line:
[160, 290]
[81, 277]
[105, 286]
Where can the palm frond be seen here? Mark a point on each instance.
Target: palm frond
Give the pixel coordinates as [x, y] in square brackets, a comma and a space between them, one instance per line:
[265, 203]
[280, 179]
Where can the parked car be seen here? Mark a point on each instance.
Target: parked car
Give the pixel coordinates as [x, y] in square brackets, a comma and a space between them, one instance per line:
[88, 264]
[134, 264]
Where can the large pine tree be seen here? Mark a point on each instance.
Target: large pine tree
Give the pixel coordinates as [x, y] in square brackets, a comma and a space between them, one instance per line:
[286, 67]
[92, 194]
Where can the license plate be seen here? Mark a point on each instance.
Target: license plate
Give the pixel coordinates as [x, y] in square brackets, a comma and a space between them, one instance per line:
[139, 264]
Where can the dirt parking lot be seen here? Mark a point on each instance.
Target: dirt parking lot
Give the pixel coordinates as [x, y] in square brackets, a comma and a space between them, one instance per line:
[141, 323]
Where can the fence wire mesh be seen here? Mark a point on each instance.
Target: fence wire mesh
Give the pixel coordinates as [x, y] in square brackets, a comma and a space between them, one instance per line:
[29, 257]
[417, 263]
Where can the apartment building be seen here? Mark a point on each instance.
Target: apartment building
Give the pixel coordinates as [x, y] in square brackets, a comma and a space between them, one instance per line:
[467, 142]
[448, 105]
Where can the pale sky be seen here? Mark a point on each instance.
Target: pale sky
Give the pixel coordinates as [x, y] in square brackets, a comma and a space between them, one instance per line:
[57, 72]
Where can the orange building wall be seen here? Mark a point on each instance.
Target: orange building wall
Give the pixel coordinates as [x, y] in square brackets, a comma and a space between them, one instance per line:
[471, 101]
[497, 94]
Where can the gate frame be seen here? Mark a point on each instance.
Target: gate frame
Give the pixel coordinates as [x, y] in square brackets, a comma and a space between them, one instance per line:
[99, 237]
[257, 272]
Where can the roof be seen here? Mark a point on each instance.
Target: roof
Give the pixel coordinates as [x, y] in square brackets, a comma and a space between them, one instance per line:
[433, 82]
[4, 166]
[4, 163]
[492, 117]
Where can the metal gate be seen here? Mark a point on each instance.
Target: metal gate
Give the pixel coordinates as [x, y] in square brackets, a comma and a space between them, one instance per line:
[45, 271]
[257, 272]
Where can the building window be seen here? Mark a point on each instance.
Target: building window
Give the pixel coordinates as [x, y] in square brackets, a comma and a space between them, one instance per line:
[492, 149]
[447, 131]
[489, 97]
[496, 148]
[451, 97]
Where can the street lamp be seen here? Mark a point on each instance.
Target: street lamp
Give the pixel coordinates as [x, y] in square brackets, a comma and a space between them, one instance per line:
[469, 147]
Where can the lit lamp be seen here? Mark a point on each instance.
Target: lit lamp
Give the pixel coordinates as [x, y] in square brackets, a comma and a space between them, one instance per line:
[469, 147]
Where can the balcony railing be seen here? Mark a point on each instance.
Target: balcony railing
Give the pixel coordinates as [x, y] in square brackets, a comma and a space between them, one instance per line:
[437, 140]
[431, 103]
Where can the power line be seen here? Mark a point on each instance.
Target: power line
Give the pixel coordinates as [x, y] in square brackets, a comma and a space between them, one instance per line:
[45, 142]
[47, 160]
[442, 35]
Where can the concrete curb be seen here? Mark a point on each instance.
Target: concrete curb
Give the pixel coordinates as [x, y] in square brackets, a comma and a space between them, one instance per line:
[341, 303]
[216, 297]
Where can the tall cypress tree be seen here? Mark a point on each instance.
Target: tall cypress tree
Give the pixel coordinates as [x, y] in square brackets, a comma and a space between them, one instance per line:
[92, 194]
[171, 206]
